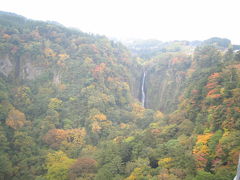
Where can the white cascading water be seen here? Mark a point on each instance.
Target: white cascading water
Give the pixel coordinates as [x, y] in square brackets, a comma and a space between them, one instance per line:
[143, 92]
[237, 177]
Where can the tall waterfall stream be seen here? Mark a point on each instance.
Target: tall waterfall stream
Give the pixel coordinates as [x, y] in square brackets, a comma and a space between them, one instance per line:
[143, 96]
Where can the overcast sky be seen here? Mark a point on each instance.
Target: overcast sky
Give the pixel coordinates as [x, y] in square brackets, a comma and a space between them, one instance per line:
[156, 19]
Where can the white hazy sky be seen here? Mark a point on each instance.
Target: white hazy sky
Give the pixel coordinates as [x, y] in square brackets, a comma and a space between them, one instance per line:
[160, 19]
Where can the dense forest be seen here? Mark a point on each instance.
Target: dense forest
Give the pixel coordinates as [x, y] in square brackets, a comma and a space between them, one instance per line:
[70, 106]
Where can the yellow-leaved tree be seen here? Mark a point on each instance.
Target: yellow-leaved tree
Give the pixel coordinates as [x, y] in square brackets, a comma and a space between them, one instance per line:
[16, 119]
[58, 165]
[201, 150]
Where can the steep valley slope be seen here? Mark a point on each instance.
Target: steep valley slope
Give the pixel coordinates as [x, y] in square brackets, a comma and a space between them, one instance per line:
[70, 106]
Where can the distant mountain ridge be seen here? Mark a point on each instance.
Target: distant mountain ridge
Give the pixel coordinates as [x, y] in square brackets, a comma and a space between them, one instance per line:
[149, 48]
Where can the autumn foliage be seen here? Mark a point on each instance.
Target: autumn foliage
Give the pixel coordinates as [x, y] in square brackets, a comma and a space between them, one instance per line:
[213, 86]
[16, 119]
[201, 150]
[57, 137]
[83, 167]
[70, 107]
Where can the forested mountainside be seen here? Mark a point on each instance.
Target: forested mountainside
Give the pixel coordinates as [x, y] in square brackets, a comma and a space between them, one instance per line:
[70, 107]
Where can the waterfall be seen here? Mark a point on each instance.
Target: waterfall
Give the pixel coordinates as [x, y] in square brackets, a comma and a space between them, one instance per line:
[237, 177]
[142, 89]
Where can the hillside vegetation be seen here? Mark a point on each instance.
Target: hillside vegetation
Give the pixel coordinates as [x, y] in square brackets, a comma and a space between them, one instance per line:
[70, 107]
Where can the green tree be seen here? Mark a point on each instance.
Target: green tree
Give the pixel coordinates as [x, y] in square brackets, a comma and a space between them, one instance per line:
[57, 165]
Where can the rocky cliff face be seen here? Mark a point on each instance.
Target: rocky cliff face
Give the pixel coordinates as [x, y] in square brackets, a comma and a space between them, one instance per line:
[22, 67]
[165, 77]
[6, 66]
[164, 82]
